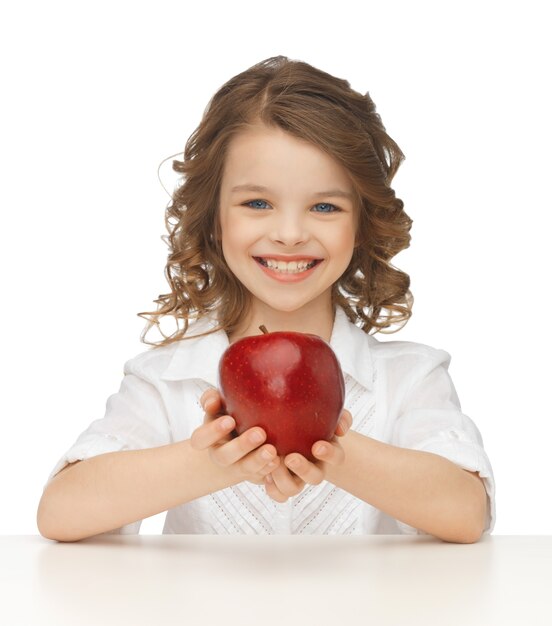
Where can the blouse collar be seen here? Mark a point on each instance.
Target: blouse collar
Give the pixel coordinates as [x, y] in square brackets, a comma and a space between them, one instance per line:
[198, 357]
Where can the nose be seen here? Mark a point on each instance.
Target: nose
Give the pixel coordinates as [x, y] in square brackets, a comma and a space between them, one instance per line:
[289, 229]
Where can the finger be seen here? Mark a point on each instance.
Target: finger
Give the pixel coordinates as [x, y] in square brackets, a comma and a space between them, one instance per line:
[329, 451]
[211, 401]
[344, 424]
[286, 482]
[308, 472]
[273, 491]
[261, 461]
[212, 432]
[237, 448]
[256, 479]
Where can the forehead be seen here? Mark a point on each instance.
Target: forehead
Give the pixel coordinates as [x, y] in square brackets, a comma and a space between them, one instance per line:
[270, 156]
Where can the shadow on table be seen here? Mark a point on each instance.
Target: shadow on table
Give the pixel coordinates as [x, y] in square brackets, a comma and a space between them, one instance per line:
[197, 570]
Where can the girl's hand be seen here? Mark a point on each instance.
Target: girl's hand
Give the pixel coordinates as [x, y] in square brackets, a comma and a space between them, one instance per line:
[244, 455]
[295, 470]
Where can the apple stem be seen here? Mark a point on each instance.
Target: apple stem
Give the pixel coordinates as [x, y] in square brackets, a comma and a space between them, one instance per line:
[263, 328]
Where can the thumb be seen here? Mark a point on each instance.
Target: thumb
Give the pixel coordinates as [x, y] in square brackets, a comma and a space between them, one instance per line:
[345, 423]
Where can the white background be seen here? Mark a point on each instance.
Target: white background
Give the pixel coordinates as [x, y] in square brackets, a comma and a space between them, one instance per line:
[96, 95]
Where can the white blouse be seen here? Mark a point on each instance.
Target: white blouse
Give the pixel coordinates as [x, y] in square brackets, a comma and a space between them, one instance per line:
[398, 392]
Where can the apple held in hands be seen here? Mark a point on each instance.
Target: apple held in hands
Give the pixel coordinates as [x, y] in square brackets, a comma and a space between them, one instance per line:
[288, 383]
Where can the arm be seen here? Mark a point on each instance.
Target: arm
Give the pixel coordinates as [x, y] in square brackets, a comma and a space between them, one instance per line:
[113, 489]
[421, 489]
[110, 490]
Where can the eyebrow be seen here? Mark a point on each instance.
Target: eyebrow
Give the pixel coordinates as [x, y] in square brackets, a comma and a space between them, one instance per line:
[336, 193]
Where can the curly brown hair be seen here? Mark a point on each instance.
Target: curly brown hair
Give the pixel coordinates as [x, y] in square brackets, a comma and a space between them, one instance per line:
[324, 110]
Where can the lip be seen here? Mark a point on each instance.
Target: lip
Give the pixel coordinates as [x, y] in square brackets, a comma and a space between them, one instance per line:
[288, 278]
[288, 259]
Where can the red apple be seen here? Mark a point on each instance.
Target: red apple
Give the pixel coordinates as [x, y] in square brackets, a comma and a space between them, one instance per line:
[288, 383]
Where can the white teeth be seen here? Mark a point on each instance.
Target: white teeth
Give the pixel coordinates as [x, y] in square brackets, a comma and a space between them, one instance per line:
[293, 267]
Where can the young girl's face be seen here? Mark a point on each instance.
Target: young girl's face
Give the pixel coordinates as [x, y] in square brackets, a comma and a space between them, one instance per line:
[304, 214]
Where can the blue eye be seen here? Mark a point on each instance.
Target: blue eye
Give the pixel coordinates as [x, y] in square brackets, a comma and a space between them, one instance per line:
[333, 208]
[255, 207]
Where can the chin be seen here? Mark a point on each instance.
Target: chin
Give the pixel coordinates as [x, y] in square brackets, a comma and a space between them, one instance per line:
[281, 306]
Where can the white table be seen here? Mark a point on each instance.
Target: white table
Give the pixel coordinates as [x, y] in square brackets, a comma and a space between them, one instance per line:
[266, 580]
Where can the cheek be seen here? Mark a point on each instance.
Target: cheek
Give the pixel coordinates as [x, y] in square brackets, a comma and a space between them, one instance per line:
[343, 243]
[236, 238]
[227, 229]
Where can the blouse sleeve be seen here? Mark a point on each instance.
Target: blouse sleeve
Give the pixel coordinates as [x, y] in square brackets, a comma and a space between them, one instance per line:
[135, 418]
[431, 420]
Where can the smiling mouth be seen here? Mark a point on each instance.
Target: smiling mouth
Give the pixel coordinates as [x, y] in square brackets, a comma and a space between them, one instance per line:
[293, 267]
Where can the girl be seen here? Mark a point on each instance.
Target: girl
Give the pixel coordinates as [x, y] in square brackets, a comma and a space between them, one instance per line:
[286, 217]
